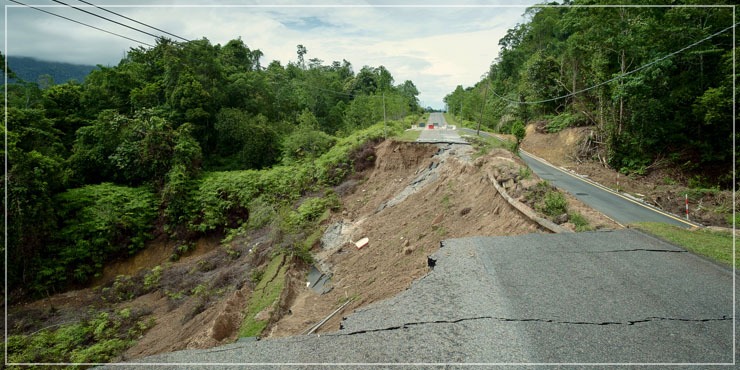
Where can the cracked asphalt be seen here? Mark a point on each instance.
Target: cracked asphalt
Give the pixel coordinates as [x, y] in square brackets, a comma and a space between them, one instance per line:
[619, 297]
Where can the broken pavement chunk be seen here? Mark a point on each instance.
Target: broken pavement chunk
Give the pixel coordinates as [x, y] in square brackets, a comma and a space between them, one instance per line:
[362, 243]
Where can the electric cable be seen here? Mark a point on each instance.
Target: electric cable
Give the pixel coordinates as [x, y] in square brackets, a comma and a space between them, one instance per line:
[133, 20]
[620, 76]
[84, 24]
[107, 19]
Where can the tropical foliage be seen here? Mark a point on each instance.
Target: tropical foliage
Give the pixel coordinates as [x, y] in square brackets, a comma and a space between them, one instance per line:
[655, 83]
[179, 139]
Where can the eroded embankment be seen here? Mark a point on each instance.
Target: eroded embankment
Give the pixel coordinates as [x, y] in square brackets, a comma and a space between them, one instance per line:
[415, 196]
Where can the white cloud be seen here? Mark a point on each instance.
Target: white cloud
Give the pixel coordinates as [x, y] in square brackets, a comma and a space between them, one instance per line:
[435, 47]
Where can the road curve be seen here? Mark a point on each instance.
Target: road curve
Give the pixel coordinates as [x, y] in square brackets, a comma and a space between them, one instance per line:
[619, 207]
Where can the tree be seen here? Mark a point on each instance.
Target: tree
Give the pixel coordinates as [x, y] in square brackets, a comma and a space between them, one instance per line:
[245, 141]
[518, 130]
[36, 172]
[306, 142]
[664, 110]
[301, 51]
[62, 104]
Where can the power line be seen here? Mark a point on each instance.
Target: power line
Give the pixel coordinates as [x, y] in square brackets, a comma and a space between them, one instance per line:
[133, 20]
[84, 24]
[622, 75]
[107, 19]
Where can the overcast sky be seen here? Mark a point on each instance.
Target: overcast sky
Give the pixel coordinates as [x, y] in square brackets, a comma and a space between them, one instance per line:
[436, 44]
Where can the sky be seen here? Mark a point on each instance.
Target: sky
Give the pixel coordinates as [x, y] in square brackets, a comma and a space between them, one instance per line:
[436, 44]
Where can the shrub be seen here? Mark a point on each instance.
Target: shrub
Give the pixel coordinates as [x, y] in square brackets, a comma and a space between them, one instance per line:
[554, 204]
[123, 288]
[151, 279]
[226, 200]
[98, 339]
[305, 143]
[565, 120]
[579, 221]
[100, 222]
[518, 130]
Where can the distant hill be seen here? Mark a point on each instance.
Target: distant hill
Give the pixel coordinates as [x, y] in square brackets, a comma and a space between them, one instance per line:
[30, 69]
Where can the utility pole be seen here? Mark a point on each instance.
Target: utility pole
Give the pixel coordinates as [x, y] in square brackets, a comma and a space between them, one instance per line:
[385, 124]
[482, 107]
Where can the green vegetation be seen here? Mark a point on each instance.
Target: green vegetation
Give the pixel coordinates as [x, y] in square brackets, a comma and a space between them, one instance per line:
[98, 339]
[553, 204]
[518, 130]
[564, 120]
[525, 173]
[181, 139]
[408, 135]
[546, 199]
[264, 297]
[484, 144]
[717, 245]
[98, 221]
[578, 66]
[579, 221]
[549, 201]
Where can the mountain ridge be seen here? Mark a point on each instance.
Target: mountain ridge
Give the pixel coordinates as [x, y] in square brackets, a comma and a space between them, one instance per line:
[32, 69]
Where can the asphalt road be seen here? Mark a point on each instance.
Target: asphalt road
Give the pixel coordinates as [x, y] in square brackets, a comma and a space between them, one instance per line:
[619, 297]
[440, 133]
[618, 207]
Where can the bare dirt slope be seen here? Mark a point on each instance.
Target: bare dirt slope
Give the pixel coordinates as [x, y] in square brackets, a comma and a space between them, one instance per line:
[415, 196]
[198, 301]
[452, 198]
[662, 186]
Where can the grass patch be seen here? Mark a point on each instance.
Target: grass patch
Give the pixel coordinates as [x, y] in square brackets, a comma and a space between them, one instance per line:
[579, 221]
[451, 120]
[265, 294]
[408, 135]
[484, 144]
[446, 202]
[716, 245]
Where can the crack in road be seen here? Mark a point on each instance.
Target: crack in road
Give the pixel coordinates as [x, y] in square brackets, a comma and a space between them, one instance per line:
[550, 321]
[635, 250]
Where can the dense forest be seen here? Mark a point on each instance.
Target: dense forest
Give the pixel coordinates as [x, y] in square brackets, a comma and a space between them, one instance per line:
[655, 83]
[177, 140]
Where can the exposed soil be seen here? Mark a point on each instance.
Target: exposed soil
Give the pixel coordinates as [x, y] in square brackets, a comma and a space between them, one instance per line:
[407, 202]
[459, 202]
[198, 318]
[663, 187]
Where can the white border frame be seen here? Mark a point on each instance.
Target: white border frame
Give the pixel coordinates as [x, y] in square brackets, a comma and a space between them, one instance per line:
[734, 251]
